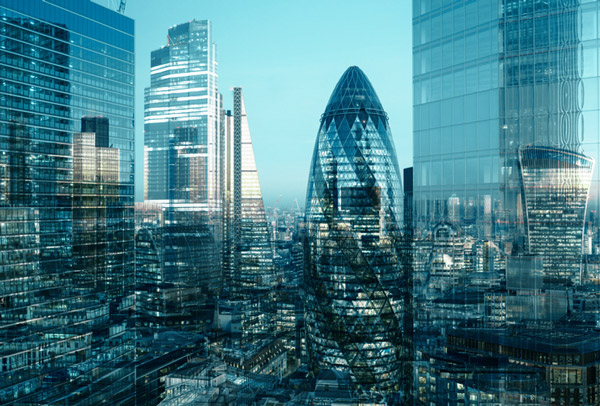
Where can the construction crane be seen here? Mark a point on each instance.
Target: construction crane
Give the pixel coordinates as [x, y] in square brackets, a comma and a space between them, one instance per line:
[122, 7]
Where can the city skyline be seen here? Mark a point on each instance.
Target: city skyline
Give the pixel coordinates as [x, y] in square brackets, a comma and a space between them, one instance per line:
[281, 55]
[463, 271]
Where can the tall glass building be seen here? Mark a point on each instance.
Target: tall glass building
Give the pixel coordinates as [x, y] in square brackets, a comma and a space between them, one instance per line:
[558, 182]
[66, 203]
[181, 120]
[357, 276]
[183, 166]
[490, 76]
[505, 196]
[248, 251]
[457, 80]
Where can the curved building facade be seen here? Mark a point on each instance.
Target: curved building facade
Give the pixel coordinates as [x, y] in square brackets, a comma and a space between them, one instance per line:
[357, 275]
[556, 186]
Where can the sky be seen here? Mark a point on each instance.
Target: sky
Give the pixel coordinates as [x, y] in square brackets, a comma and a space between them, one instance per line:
[288, 56]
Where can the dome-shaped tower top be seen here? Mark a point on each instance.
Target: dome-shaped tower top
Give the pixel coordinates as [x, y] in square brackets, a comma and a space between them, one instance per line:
[353, 92]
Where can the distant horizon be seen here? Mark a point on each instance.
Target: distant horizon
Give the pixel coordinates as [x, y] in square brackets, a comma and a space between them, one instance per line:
[287, 58]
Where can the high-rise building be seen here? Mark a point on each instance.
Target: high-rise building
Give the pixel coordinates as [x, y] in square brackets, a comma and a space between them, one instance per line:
[248, 253]
[182, 146]
[556, 181]
[181, 120]
[66, 203]
[489, 77]
[357, 274]
[505, 140]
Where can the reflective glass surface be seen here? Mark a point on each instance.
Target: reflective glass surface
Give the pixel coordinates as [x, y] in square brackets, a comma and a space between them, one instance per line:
[66, 203]
[248, 259]
[505, 201]
[181, 119]
[358, 316]
[182, 182]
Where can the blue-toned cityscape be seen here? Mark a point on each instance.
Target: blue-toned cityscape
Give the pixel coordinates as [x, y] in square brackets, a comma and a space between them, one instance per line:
[470, 276]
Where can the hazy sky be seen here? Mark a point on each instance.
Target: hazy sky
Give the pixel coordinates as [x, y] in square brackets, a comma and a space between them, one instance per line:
[287, 56]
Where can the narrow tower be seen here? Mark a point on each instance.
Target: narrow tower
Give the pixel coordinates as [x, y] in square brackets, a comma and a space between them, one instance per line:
[248, 253]
[356, 273]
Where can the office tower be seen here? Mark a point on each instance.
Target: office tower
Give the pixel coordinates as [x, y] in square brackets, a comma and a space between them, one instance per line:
[248, 251]
[181, 120]
[66, 203]
[556, 181]
[505, 140]
[103, 247]
[489, 77]
[97, 210]
[357, 279]
[182, 147]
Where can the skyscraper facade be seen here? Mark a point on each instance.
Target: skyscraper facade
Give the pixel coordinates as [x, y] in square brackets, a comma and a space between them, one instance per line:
[558, 182]
[182, 158]
[181, 120]
[249, 254]
[65, 286]
[490, 76]
[456, 82]
[358, 316]
[505, 142]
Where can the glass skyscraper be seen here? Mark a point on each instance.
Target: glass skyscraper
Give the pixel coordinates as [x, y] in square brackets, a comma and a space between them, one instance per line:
[357, 273]
[556, 181]
[505, 195]
[66, 203]
[490, 76]
[456, 80]
[182, 157]
[181, 120]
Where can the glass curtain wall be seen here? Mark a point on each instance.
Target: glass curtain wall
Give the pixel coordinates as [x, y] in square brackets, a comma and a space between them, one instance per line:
[64, 336]
[505, 201]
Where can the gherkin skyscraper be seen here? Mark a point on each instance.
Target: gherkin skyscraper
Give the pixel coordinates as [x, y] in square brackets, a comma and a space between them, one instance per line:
[357, 274]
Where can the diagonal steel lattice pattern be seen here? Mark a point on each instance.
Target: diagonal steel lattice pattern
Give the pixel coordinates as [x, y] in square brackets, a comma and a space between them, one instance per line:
[357, 271]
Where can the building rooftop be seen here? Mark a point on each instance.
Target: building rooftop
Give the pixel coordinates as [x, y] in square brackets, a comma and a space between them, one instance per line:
[555, 341]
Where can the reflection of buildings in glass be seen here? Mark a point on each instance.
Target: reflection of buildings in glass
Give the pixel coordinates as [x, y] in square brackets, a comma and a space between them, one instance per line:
[357, 310]
[52, 342]
[556, 185]
[182, 179]
[181, 119]
[567, 361]
[452, 378]
[505, 103]
[485, 82]
[97, 211]
[175, 276]
[248, 246]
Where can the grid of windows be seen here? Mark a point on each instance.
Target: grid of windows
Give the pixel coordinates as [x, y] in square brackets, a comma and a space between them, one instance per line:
[61, 61]
[505, 143]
